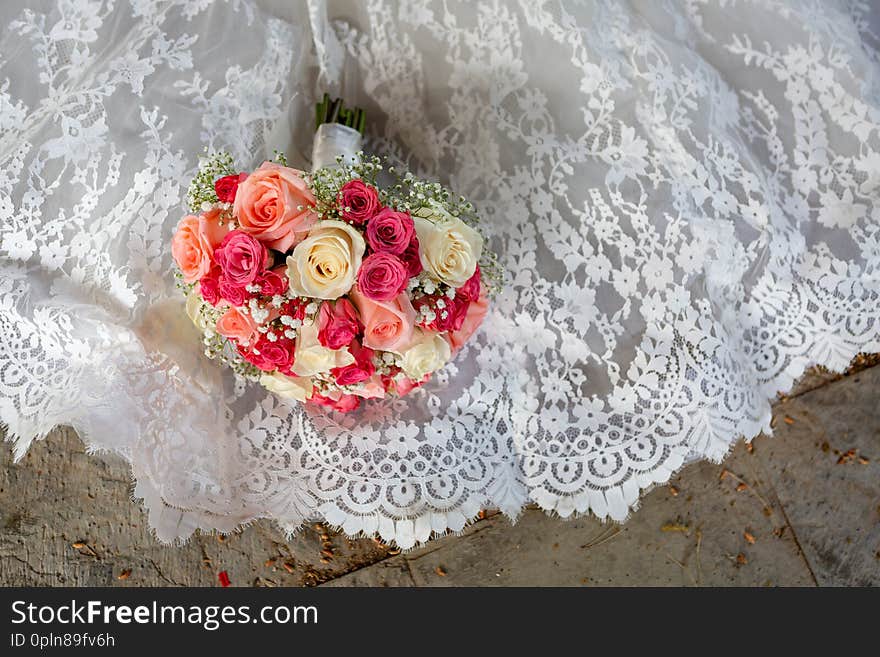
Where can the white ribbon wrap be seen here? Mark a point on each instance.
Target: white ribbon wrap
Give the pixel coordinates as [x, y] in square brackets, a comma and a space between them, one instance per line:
[333, 140]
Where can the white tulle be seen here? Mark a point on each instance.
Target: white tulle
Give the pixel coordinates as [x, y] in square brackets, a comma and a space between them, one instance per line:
[685, 196]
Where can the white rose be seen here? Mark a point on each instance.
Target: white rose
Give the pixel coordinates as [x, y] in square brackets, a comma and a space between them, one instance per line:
[429, 352]
[194, 307]
[291, 387]
[448, 248]
[311, 357]
[325, 264]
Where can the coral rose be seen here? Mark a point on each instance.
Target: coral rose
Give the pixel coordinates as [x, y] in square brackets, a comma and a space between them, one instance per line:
[275, 205]
[235, 325]
[401, 384]
[388, 325]
[372, 388]
[193, 244]
[341, 403]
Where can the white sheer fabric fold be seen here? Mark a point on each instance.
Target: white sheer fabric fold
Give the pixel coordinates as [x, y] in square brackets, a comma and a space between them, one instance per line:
[685, 196]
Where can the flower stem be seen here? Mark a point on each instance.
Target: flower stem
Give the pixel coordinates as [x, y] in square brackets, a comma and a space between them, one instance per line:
[335, 111]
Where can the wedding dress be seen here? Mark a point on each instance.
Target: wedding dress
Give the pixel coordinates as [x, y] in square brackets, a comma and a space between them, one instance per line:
[685, 196]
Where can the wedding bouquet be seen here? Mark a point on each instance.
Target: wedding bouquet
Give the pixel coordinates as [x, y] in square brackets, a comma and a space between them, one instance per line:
[330, 288]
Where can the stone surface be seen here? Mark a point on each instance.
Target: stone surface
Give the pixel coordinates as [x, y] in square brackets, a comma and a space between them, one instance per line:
[799, 508]
[697, 531]
[786, 512]
[67, 519]
[826, 474]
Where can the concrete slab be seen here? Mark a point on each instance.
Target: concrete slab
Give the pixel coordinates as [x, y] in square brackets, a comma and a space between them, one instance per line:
[826, 474]
[67, 519]
[799, 508]
[698, 531]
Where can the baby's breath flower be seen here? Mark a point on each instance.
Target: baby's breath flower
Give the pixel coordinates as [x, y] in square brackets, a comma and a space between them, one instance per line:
[201, 195]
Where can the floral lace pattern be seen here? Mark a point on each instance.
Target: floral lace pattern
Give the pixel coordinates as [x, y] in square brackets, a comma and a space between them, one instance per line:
[686, 197]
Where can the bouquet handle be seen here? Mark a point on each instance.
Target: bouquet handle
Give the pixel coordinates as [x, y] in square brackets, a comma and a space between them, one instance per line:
[338, 133]
[333, 140]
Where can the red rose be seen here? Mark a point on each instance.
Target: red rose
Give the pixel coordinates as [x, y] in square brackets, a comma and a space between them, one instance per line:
[360, 370]
[237, 295]
[226, 186]
[254, 358]
[338, 324]
[411, 257]
[295, 308]
[382, 276]
[270, 356]
[390, 231]
[209, 286]
[358, 202]
[273, 281]
[471, 288]
[455, 309]
[344, 404]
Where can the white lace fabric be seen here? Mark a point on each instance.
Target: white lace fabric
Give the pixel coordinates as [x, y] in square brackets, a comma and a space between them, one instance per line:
[685, 196]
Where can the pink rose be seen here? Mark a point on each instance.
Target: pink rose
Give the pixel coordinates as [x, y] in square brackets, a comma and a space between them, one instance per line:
[275, 205]
[193, 244]
[226, 186]
[471, 289]
[358, 202]
[235, 325]
[209, 286]
[476, 313]
[382, 276]
[338, 324]
[390, 231]
[411, 257]
[273, 281]
[237, 295]
[388, 325]
[343, 404]
[241, 258]
[359, 371]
